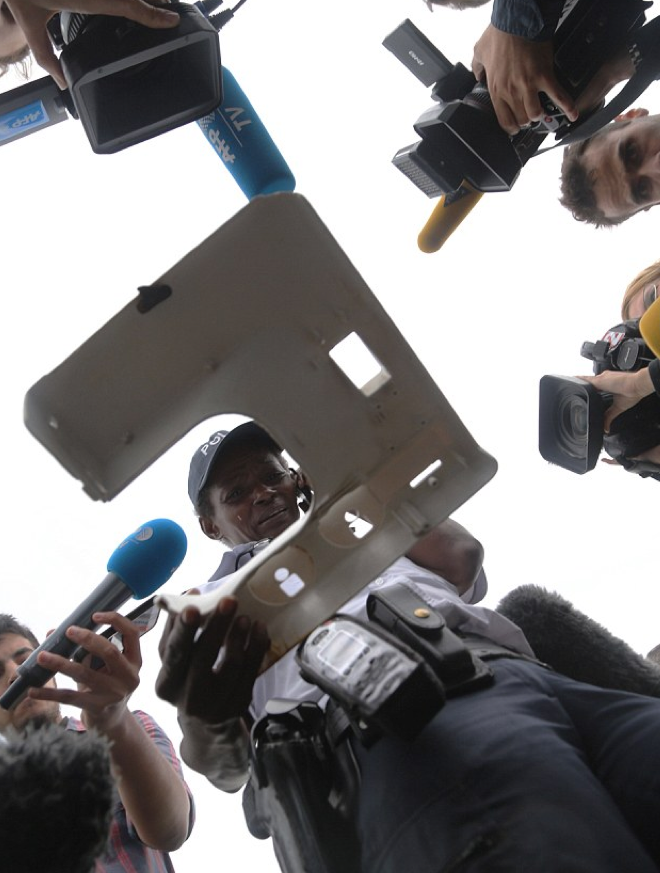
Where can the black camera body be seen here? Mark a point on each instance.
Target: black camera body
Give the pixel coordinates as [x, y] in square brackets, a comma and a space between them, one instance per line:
[621, 348]
[461, 140]
[571, 411]
[129, 82]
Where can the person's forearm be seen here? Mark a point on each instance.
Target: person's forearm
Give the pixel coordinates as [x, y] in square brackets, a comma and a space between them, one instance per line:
[152, 792]
[644, 381]
[219, 752]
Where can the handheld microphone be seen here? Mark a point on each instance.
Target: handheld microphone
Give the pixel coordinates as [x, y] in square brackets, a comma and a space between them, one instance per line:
[241, 140]
[139, 565]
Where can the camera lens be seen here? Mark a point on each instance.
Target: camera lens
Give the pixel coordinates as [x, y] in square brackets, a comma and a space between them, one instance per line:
[572, 424]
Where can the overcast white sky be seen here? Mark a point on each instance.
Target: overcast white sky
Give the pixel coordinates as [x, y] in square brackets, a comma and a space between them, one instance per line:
[511, 297]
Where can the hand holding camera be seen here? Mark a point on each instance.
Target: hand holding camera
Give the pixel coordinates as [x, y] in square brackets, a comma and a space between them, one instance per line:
[517, 71]
[32, 16]
[627, 389]
[617, 409]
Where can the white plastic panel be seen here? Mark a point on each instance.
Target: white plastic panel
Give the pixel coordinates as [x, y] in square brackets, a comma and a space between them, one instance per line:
[254, 314]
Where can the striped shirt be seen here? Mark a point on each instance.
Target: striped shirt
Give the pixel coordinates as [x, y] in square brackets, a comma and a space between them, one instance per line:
[126, 852]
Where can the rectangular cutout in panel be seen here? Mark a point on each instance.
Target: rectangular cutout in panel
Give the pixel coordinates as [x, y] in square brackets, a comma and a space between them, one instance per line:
[357, 362]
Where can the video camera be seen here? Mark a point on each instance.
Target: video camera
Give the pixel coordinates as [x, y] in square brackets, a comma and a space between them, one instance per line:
[571, 411]
[462, 141]
[127, 82]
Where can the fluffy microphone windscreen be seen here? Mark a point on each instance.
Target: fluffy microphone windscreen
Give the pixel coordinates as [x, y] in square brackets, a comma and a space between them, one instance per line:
[56, 800]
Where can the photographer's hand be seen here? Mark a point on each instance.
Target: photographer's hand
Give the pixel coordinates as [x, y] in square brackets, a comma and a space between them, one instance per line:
[32, 16]
[516, 70]
[627, 390]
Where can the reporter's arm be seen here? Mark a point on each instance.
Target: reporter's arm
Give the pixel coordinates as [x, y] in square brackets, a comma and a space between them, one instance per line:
[152, 792]
[627, 388]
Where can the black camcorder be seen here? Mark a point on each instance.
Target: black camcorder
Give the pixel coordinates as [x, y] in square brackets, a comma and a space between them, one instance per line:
[129, 82]
[461, 140]
[126, 82]
[571, 411]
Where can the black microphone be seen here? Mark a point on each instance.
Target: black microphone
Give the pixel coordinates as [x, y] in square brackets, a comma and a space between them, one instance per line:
[143, 562]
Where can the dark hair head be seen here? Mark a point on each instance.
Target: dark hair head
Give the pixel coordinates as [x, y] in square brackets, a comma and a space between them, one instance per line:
[56, 800]
[577, 185]
[11, 625]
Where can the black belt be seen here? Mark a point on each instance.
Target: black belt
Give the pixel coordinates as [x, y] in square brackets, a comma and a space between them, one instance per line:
[487, 650]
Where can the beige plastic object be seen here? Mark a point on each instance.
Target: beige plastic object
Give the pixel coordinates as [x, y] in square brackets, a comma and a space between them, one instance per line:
[254, 313]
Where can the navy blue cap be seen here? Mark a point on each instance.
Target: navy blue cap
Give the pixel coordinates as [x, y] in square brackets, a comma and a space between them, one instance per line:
[207, 454]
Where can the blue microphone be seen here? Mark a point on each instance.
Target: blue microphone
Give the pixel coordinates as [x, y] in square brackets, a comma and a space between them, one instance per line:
[245, 147]
[139, 565]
